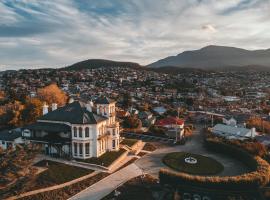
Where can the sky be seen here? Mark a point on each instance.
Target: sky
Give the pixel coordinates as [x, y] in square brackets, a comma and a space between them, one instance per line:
[57, 33]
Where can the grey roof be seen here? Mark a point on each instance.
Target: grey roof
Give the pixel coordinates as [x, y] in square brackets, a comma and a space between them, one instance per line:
[74, 113]
[231, 131]
[10, 135]
[50, 127]
[104, 100]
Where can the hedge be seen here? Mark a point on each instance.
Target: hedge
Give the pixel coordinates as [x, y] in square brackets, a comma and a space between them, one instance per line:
[258, 177]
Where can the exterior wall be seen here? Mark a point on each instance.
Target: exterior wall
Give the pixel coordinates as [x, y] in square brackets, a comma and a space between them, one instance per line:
[84, 140]
[103, 136]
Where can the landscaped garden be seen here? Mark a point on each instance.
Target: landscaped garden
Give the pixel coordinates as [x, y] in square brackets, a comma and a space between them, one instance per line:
[129, 142]
[105, 159]
[192, 163]
[54, 174]
[68, 191]
[58, 173]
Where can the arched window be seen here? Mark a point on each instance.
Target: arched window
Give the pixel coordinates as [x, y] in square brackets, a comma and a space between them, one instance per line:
[75, 131]
[86, 132]
[80, 132]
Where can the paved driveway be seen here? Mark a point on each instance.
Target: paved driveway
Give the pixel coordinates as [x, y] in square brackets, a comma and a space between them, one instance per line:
[108, 184]
[152, 163]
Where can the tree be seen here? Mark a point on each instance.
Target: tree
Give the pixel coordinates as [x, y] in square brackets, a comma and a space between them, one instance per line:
[32, 110]
[132, 122]
[127, 100]
[2, 95]
[52, 94]
[10, 114]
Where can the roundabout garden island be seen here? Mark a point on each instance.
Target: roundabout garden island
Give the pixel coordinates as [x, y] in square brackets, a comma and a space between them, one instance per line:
[192, 163]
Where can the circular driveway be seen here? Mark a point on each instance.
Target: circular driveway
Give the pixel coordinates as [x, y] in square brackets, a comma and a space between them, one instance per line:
[152, 162]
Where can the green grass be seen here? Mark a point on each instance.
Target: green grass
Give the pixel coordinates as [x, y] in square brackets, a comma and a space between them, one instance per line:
[58, 173]
[106, 159]
[204, 166]
[129, 142]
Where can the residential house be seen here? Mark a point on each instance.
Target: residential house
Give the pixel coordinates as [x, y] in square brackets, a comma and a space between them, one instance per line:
[232, 132]
[75, 130]
[10, 138]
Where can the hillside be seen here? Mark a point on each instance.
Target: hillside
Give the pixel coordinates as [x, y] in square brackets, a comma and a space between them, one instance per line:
[217, 58]
[97, 63]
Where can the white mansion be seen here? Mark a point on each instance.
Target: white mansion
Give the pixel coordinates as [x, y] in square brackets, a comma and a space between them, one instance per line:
[78, 130]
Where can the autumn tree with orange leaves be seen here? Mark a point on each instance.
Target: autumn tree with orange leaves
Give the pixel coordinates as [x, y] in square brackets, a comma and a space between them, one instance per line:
[52, 94]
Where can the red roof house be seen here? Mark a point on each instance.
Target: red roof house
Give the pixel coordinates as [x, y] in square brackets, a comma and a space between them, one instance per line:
[170, 122]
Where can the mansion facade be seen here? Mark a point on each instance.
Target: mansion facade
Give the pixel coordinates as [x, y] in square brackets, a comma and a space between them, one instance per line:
[78, 130]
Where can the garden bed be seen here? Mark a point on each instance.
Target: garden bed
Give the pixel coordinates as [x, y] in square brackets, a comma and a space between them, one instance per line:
[104, 160]
[68, 191]
[55, 174]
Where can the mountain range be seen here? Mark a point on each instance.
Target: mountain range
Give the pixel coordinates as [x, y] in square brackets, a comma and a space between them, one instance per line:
[218, 58]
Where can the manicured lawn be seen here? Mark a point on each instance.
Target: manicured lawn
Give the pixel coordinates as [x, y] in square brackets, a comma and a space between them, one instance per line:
[204, 166]
[106, 159]
[58, 173]
[129, 142]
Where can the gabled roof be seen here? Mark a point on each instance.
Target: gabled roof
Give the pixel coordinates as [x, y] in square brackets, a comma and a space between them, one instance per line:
[50, 127]
[170, 121]
[104, 100]
[74, 113]
[230, 130]
[10, 135]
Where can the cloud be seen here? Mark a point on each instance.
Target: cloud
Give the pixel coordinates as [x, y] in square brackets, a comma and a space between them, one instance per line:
[209, 27]
[57, 33]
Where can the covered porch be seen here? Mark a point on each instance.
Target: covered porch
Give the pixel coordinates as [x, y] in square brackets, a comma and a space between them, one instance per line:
[54, 138]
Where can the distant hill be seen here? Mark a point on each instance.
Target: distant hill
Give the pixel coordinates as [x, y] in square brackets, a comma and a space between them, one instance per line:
[98, 63]
[175, 70]
[218, 58]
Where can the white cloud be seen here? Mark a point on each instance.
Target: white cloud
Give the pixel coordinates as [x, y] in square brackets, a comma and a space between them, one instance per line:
[61, 32]
[209, 28]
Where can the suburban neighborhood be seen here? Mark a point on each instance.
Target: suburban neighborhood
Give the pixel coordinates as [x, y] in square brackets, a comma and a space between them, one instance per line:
[98, 132]
[134, 100]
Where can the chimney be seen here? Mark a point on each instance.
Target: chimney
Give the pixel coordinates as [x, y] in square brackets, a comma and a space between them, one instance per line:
[54, 106]
[253, 132]
[89, 106]
[45, 109]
